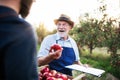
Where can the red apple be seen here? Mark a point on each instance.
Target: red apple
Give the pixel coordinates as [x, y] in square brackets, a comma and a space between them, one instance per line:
[50, 78]
[53, 72]
[64, 77]
[47, 74]
[59, 79]
[58, 75]
[55, 47]
[45, 69]
[40, 74]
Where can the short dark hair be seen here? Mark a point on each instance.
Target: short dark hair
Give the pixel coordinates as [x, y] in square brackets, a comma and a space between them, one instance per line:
[25, 7]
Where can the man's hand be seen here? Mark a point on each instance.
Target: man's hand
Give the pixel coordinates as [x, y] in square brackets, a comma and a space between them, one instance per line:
[55, 51]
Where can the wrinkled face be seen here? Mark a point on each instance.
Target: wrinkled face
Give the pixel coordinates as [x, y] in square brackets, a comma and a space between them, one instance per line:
[63, 28]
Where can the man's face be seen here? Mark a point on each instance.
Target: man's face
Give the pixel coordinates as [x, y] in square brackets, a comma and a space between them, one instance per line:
[63, 28]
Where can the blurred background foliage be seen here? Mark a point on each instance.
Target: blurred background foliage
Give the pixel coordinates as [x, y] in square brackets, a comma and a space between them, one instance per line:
[98, 41]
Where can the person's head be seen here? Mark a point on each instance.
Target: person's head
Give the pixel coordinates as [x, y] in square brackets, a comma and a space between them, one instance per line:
[64, 25]
[25, 6]
[22, 7]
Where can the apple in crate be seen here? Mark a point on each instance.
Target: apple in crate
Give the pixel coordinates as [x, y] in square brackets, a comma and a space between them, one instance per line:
[64, 77]
[45, 69]
[51, 78]
[53, 72]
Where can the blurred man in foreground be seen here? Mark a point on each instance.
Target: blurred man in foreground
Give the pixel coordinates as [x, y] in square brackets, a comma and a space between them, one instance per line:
[17, 42]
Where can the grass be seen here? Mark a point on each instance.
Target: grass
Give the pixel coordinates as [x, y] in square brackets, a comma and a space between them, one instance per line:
[38, 47]
[98, 59]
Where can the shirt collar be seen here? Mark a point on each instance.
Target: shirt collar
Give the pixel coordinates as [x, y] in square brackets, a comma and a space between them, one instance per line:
[6, 11]
[58, 37]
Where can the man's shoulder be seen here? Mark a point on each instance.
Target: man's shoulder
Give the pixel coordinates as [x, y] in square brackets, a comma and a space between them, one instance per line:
[71, 39]
[51, 36]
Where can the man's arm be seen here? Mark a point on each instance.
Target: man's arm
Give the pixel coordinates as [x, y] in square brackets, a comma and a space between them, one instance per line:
[47, 59]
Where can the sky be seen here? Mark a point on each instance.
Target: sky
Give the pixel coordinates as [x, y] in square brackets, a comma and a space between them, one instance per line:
[45, 11]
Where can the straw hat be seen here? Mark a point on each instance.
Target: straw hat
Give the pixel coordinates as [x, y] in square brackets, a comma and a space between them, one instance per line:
[66, 18]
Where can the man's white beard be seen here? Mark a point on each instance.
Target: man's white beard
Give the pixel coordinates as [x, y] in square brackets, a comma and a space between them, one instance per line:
[62, 34]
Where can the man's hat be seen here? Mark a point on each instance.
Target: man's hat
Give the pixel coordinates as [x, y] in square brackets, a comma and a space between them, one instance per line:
[65, 18]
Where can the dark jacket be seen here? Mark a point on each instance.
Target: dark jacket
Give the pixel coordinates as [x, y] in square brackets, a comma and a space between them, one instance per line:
[17, 47]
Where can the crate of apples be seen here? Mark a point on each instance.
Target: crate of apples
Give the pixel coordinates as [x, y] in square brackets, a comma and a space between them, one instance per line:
[46, 74]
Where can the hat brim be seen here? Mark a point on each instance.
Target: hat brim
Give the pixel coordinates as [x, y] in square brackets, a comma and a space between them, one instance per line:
[69, 22]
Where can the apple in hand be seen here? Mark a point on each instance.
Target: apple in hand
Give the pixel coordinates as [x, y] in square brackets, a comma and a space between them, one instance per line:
[55, 47]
